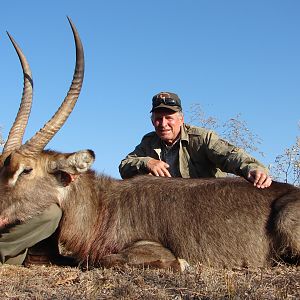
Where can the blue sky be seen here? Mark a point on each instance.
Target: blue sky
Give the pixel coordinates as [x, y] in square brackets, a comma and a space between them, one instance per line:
[228, 56]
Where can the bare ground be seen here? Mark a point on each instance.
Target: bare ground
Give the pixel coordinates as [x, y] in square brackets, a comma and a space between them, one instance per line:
[53, 282]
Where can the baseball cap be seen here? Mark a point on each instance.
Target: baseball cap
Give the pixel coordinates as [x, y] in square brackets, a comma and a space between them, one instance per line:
[166, 100]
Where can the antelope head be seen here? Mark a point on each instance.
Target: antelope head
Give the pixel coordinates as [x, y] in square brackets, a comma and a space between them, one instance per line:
[28, 171]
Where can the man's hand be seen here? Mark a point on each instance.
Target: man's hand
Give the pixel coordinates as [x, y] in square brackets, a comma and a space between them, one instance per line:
[3, 222]
[158, 168]
[259, 178]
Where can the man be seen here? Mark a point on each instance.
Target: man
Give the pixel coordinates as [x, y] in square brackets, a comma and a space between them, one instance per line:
[177, 149]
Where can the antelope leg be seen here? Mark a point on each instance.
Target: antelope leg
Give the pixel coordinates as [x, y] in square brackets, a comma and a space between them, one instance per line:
[145, 254]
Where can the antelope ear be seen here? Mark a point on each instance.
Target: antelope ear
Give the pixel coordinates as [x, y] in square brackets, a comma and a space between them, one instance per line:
[73, 164]
[66, 178]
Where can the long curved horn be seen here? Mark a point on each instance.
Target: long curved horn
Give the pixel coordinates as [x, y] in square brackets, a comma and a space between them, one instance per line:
[38, 142]
[16, 133]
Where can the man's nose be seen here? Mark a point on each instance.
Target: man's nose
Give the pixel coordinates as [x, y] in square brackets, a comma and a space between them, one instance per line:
[163, 121]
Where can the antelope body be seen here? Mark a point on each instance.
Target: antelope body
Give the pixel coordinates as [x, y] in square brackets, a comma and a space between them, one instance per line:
[145, 220]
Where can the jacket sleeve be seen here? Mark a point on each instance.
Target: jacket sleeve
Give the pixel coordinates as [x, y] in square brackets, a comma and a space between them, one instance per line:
[229, 158]
[135, 163]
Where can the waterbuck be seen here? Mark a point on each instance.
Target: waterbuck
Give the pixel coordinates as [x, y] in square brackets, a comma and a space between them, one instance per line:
[146, 220]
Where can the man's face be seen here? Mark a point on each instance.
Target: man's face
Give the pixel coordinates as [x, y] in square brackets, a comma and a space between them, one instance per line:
[167, 124]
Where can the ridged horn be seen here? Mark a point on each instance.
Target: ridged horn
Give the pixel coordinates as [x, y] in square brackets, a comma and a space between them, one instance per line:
[16, 133]
[38, 142]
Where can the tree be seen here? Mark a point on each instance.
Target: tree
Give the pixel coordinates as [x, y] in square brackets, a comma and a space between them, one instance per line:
[234, 130]
[287, 165]
[1, 139]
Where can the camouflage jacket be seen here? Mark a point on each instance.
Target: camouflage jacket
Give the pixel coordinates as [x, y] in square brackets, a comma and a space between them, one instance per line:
[201, 154]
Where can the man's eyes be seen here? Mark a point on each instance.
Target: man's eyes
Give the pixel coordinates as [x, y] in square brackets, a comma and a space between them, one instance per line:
[166, 118]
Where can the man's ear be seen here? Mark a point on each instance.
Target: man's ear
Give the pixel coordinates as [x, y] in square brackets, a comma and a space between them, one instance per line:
[181, 117]
[152, 119]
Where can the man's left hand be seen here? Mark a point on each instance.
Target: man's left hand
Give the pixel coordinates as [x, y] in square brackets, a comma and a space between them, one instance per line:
[259, 178]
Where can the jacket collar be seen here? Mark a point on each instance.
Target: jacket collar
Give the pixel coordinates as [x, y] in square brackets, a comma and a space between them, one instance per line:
[184, 133]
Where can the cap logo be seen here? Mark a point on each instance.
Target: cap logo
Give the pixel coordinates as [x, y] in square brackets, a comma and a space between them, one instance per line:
[163, 96]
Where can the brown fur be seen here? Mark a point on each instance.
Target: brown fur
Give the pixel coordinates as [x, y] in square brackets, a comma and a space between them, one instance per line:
[218, 222]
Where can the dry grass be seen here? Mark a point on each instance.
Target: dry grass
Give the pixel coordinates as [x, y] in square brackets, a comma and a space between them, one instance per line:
[41, 282]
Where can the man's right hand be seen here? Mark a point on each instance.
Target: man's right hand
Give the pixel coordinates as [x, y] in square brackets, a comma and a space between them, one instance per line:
[158, 168]
[3, 222]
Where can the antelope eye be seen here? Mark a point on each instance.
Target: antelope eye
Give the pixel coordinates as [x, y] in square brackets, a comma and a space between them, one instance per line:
[26, 171]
